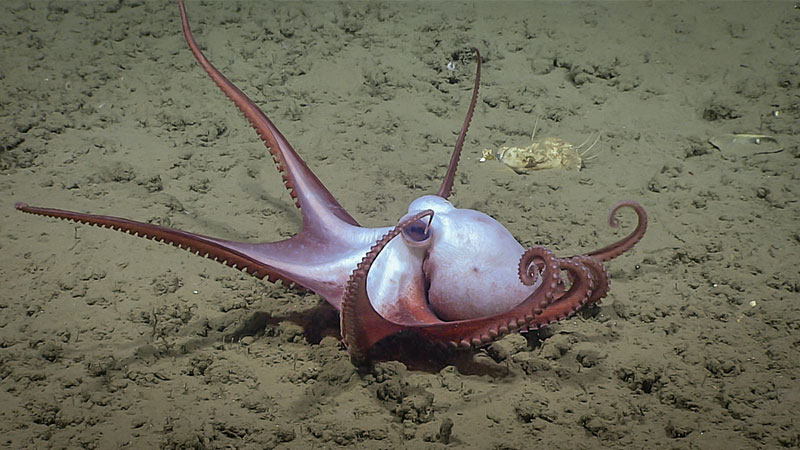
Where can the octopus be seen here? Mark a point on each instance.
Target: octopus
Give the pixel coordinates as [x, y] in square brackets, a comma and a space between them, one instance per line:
[449, 276]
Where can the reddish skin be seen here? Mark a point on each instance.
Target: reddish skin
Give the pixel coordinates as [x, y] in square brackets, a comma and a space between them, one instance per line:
[327, 238]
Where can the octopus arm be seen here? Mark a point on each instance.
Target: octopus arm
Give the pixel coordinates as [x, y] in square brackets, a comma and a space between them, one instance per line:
[610, 252]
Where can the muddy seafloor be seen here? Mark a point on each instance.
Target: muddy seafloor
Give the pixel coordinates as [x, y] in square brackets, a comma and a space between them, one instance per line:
[111, 341]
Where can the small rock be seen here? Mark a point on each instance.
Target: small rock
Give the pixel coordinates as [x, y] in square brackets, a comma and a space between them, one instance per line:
[679, 427]
[507, 347]
[291, 331]
[445, 430]
[588, 356]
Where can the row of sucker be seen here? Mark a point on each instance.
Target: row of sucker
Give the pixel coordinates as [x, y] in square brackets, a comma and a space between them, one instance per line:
[231, 260]
[582, 286]
[583, 273]
[602, 282]
[447, 183]
[612, 251]
[540, 257]
[242, 102]
[356, 286]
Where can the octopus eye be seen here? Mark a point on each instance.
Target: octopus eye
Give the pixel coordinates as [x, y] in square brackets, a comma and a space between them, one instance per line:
[417, 233]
